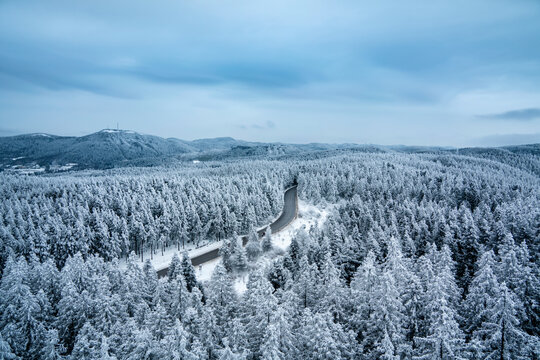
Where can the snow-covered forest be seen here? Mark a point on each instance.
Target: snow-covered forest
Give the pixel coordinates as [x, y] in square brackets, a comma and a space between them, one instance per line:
[424, 256]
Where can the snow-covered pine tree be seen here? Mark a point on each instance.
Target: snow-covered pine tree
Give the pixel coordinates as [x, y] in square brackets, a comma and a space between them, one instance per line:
[483, 293]
[5, 350]
[175, 267]
[266, 243]
[221, 299]
[188, 272]
[253, 246]
[500, 337]
[445, 339]
[258, 305]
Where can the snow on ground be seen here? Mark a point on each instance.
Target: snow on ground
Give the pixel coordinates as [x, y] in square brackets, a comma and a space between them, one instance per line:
[112, 131]
[159, 261]
[308, 216]
[204, 271]
[240, 283]
[65, 167]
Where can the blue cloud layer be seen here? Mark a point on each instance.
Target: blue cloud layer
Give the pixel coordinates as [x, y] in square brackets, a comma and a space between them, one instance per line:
[354, 61]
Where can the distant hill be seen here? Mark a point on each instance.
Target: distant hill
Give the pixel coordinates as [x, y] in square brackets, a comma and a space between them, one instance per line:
[525, 157]
[103, 149]
[115, 148]
[112, 148]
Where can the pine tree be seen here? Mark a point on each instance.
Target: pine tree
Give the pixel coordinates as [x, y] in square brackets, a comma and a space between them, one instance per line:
[20, 311]
[445, 339]
[175, 344]
[510, 270]
[221, 298]
[388, 313]
[258, 305]
[363, 287]
[466, 251]
[267, 240]
[226, 255]
[278, 274]
[483, 293]
[5, 350]
[159, 322]
[270, 349]
[228, 354]
[283, 330]
[305, 285]
[237, 336]
[295, 252]
[175, 267]
[529, 292]
[144, 346]
[253, 247]
[500, 336]
[188, 272]
[316, 340]
[239, 259]
[445, 268]
[397, 268]
[331, 290]
[386, 348]
[89, 344]
[179, 298]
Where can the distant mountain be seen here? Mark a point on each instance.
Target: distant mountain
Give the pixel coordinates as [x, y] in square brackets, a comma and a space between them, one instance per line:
[103, 149]
[113, 148]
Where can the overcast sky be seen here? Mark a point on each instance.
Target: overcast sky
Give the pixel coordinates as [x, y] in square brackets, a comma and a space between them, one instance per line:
[386, 72]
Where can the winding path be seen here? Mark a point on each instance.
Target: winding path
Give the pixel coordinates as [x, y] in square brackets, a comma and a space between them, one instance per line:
[290, 210]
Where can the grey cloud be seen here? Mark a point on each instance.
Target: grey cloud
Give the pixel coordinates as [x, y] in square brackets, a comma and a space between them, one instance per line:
[267, 125]
[521, 115]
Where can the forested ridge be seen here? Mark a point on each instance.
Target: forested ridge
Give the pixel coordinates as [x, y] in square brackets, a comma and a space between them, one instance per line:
[111, 216]
[426, 256]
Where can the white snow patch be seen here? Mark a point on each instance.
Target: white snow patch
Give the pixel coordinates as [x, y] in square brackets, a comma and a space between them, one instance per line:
[204, 271]
[66, 167]
[196, 161]
[308, 216]
[159, 261]
[112, 131]
[18, 158]
[43, 135]
[240, 284]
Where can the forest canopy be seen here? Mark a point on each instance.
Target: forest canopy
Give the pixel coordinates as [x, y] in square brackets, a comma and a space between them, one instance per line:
[425, 256]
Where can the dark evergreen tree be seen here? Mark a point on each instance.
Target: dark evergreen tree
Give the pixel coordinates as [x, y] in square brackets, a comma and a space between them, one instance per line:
[188, 272]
